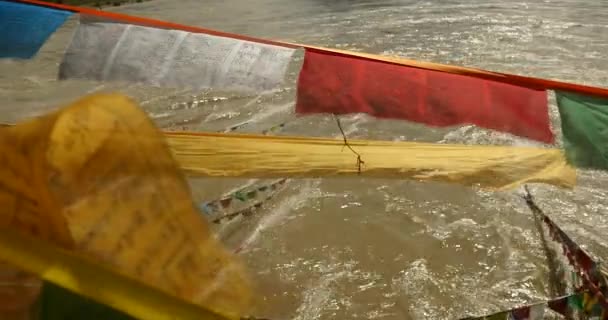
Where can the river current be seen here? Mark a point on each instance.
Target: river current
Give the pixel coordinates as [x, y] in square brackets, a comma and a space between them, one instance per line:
[354, 248]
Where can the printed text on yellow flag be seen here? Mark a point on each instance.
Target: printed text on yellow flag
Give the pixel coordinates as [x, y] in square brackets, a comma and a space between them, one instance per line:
[98, 178]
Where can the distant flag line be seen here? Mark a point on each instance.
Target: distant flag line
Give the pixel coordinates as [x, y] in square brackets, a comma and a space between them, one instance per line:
[221, 209]
[585, 281]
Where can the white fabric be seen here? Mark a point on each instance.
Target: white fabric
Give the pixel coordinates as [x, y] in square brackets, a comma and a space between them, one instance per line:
[108, 51]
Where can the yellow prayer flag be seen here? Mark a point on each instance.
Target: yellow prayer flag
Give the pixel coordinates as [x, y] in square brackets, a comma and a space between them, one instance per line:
[98, 178]
[495, 167]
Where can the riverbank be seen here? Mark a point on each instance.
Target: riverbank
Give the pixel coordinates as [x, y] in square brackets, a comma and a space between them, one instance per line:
[96, 3]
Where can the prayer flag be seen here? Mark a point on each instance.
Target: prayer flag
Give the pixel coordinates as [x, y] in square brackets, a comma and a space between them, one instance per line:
[25, 28]
[110, 51]
[585, 129]
[339, 84]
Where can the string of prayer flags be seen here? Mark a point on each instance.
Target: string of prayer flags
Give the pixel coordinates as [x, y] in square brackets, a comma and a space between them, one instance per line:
[272, 129]
[530, 312]
[240, 196]
[573, 304]
[110, 51]
[222, 204]
[110, 46]
[565, 278]
[562, 305]
[25, 28]
[585, 129]
[62, 175]
[582, 305]
[534, 312]
[340, 84]
[580, 260]
[244, 211]
[585, 268]
[587, 279]
[116, 47]
[588, 301]
[529, 82]
[244, 194]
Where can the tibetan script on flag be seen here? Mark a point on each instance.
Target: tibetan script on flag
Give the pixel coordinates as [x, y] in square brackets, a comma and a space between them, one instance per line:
[98, 179]
[108, 51]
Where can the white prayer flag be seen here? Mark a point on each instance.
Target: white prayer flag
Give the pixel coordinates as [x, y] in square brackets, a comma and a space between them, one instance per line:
[110, 51]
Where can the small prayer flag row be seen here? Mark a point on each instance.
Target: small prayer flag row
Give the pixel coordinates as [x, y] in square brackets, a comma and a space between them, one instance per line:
[566, 306]
[272, 129]
[244, 211]
[581, 303]
[241, 195]
[586, 269]
[529, 312]
[585, 274]
[588, 282]
[134, 49]
[581, 262]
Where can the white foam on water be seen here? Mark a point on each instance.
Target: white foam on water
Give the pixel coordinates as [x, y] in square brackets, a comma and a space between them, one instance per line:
[277, 214]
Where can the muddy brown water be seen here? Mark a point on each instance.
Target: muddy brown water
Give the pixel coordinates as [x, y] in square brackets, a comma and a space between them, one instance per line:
[358, 248]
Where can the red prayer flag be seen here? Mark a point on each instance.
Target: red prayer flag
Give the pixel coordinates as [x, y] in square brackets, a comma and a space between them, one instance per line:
[339, 84]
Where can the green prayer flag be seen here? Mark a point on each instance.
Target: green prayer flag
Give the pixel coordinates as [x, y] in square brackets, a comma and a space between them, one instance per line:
[239, 195]
[575, 302]
[585, 129]
[57, 303]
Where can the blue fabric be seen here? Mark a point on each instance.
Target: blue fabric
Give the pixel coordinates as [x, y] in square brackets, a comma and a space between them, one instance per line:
[24, 28]
[205, 208]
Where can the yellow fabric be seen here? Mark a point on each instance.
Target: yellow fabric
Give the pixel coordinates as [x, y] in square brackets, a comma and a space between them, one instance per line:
[88, 278]
[498, 167]
[97, 178]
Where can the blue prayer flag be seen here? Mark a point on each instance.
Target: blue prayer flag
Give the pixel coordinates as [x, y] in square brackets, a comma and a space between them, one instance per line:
[24, 28]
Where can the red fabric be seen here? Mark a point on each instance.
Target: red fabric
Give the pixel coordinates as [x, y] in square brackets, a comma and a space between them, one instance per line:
[501, 77]
[333, 83]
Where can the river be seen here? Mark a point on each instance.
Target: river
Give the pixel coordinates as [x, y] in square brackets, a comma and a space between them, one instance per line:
[365, 248]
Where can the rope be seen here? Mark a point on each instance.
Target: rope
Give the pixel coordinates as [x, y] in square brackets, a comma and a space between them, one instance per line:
[557, 287]
[594, 282]
[359, 161]
[529, 82]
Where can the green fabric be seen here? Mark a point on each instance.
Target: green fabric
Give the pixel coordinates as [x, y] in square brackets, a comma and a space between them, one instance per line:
[57, 303]
[585, 129]
[240, 196]
[575, 302]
